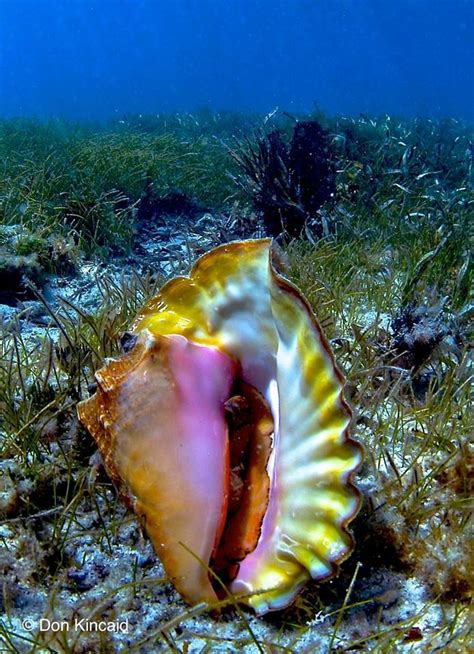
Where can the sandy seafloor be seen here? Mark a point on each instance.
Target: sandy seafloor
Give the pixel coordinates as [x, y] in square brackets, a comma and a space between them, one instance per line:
[119, 579]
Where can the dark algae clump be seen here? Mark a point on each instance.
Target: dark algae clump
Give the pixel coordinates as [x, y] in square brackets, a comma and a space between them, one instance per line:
[289, 183]
[377, 220]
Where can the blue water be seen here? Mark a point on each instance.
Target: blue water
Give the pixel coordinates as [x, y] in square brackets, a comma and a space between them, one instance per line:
[99, 59]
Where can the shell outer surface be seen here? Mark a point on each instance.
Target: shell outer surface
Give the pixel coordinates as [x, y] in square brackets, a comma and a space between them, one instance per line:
[247, 321]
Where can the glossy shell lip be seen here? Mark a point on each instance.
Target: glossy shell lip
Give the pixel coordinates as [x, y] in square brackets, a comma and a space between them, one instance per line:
[234, 317]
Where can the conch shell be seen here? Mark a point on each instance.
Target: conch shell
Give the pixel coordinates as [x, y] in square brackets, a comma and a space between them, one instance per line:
[226, 430]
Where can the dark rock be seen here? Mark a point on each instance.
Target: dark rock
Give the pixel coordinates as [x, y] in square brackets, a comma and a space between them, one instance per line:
[417, 331]
[17, 275]
[88, 576]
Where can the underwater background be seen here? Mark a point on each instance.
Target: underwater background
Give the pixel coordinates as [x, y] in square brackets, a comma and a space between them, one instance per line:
[138, 136]
[92, 60]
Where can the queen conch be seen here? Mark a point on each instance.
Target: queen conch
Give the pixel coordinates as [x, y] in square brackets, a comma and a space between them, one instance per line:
[225, 429]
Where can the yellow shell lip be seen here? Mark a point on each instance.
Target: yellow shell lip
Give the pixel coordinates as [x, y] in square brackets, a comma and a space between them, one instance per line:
[225, 427]
[289, 287]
